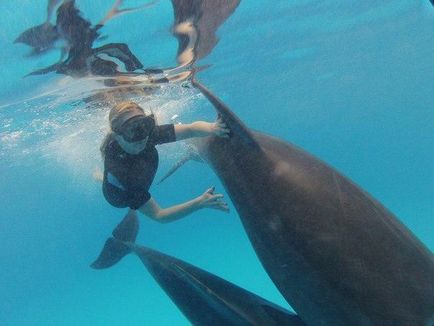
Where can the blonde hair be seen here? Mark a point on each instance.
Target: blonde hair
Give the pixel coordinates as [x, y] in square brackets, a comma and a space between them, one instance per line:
[115, 113]
[122, 107]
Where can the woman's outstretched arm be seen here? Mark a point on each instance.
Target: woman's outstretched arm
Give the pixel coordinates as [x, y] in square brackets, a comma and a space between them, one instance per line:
[201, 129]
[165, 215]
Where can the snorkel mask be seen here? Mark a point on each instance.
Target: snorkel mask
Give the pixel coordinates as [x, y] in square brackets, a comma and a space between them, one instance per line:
[133, 125]
[138, 128]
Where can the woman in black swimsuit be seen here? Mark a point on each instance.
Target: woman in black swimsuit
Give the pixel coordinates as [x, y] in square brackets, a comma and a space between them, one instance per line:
[131, 161]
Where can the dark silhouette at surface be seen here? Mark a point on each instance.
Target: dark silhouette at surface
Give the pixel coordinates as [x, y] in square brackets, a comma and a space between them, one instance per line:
[195, 26]
[79, 35]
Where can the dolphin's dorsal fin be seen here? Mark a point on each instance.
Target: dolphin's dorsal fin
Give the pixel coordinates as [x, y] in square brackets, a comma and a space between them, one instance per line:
[236, 126]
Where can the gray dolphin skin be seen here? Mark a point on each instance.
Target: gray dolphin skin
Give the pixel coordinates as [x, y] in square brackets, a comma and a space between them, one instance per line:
[335, 253]
[204, 298]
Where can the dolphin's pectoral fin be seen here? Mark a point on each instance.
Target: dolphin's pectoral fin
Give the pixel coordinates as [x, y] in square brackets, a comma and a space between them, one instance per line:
[115, 248]
[190, 155]
[174, 168]
[236, 126]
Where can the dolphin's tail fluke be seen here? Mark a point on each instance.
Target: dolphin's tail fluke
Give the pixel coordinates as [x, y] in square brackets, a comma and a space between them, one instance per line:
[116, 247]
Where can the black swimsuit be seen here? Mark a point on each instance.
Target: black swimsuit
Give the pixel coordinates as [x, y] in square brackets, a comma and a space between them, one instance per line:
[127, 177]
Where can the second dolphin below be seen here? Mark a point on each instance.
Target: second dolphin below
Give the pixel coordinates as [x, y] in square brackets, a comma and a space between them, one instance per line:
[204, 298]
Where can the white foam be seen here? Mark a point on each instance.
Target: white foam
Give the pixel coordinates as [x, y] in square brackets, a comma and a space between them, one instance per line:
[65, 132]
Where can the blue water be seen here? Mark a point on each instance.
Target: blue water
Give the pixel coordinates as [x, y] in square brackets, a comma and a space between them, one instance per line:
[349, 81]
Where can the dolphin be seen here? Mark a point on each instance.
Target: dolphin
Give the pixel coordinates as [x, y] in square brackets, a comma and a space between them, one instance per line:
[336, 254]
[205, 299]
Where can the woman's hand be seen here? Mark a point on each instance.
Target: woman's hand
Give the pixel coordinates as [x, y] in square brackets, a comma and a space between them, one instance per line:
[211, 200]
[202, 129]
[220, 129]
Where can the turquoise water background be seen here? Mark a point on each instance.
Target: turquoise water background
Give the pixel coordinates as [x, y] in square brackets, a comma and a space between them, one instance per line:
[349, 81]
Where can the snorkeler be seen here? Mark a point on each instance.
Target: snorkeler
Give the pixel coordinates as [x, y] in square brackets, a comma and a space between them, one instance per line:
[131, 161]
